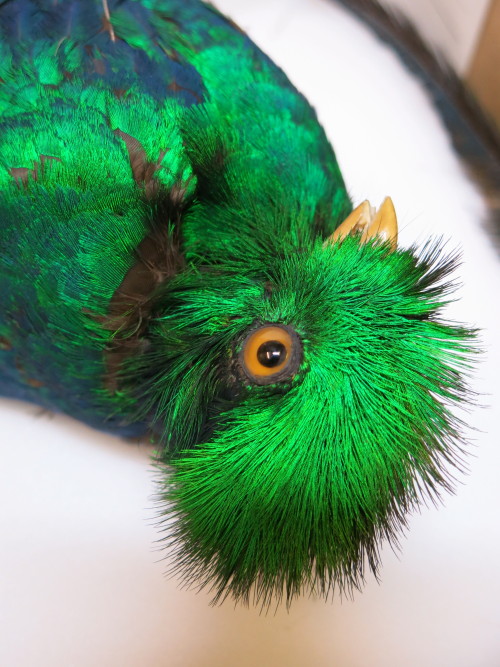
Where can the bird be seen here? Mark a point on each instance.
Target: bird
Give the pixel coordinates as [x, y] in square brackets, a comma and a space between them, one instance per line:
[180, 261]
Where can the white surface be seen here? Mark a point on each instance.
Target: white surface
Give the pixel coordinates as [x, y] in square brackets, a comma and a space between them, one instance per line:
[80, 580]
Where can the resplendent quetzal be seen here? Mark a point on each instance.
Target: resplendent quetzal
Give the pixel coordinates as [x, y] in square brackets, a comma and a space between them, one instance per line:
[179, 259]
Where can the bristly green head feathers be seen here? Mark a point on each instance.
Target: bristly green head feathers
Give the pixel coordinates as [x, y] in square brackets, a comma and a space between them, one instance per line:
[292, 483]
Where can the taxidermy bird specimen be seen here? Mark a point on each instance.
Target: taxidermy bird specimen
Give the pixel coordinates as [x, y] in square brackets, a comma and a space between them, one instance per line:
[179, 259]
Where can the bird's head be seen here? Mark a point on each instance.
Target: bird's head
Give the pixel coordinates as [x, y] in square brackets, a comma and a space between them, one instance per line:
[309, 408]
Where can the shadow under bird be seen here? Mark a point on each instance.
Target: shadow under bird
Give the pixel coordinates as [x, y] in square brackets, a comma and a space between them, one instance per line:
[180, 260]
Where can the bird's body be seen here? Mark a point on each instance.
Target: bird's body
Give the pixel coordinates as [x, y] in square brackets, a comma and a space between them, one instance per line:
[109, 122]
[166, 195]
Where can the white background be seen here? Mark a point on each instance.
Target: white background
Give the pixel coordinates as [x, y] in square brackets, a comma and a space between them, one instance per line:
[81, 582]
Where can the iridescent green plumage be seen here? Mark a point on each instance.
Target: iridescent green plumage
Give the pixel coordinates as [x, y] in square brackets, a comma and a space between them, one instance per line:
[165, 192]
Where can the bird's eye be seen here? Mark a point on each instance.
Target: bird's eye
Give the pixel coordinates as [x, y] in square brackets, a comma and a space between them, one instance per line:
[270, 353]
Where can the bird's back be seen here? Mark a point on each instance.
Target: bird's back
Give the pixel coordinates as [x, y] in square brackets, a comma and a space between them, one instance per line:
[97, 104]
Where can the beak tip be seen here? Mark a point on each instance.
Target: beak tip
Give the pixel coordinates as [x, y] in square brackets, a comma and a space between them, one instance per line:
[371, 223]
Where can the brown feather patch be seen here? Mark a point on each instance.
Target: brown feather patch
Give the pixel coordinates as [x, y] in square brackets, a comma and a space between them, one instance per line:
[143, 170]
[158, 259]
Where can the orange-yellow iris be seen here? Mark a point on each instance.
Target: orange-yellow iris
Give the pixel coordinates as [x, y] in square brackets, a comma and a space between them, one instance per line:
[259, 338]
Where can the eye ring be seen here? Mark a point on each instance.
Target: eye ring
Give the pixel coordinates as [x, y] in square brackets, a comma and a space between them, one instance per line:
[270, 353]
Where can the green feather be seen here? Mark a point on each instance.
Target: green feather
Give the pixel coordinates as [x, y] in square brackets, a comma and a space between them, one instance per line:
[353, 442]
[166, 193]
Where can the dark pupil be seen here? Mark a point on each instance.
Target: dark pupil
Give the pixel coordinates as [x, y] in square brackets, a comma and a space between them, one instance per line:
[271, 353]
